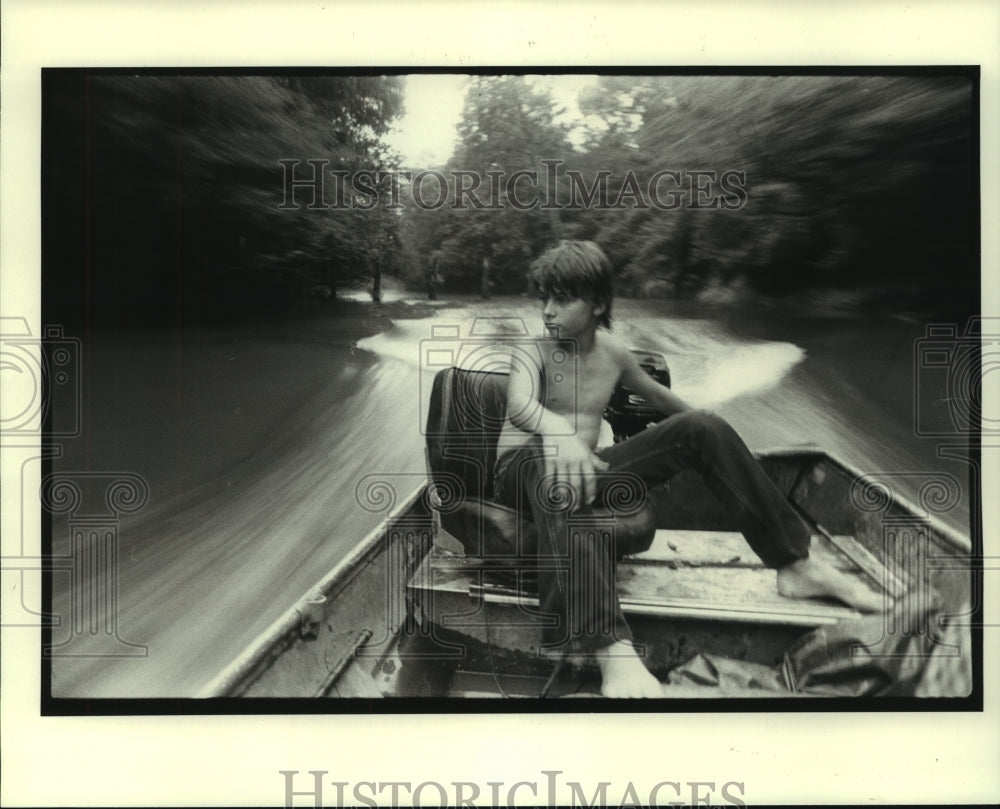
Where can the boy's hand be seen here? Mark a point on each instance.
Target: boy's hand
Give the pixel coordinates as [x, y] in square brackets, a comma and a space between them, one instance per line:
[569, 461]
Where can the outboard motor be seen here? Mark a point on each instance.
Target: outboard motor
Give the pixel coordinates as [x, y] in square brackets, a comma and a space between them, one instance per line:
[627, 412]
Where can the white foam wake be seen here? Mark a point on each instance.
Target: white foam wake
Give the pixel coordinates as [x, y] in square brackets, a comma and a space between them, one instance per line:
[708, 365]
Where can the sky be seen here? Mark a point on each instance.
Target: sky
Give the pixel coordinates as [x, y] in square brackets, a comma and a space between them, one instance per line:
[425, 135]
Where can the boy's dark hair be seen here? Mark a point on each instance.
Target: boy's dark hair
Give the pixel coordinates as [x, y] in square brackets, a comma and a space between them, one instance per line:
[576, 270]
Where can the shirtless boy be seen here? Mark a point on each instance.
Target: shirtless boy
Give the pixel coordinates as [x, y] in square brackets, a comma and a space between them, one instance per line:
[550, 437]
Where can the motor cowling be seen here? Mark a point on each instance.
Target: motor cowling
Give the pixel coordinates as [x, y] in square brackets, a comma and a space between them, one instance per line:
[629, 413]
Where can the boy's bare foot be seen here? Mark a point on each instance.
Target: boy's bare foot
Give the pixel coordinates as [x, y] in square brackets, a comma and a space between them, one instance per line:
[623, 674]
[809, 577]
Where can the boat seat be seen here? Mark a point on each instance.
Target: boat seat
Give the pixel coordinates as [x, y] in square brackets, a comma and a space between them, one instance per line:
[465, 416]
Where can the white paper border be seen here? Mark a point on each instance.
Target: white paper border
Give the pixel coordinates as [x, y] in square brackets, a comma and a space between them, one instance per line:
[782, 758]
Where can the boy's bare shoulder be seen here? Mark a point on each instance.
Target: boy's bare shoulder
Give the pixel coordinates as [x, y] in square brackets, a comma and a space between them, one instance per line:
[614, 347]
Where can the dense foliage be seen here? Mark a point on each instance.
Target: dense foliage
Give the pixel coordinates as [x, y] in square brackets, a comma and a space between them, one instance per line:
[163, 194]
[848, 183]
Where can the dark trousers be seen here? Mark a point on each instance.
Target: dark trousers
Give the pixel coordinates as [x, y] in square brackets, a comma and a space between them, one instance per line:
[576, 556]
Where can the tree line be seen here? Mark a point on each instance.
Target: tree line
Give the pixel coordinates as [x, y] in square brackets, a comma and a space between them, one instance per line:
[162, 194]
[841, 182]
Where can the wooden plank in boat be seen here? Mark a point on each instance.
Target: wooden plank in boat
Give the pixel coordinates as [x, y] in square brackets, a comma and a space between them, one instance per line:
[691, 574]
[714, 548]
[742, 595]
[723, 586]
[685, 548]
[697, 548]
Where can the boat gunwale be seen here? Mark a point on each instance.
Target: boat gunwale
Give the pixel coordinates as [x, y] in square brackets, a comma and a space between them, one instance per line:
[269, 643]
[952, 536]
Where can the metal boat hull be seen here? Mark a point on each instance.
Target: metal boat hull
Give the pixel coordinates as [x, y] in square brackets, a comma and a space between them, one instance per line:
[406, 615]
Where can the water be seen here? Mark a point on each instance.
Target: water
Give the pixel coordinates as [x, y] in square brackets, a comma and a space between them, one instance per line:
[710, 365]
[253, 442]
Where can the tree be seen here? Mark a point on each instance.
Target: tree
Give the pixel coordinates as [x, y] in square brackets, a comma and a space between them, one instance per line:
[507, 126]
[841, 174]
[846, 180]
[182, 185]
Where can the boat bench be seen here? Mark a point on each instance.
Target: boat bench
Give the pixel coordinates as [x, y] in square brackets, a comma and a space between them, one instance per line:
[466, 413]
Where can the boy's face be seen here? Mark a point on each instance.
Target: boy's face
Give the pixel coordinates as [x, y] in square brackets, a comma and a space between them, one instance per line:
[568, 318]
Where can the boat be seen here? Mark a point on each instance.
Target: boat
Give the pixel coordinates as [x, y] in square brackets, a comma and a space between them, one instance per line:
[411, 612]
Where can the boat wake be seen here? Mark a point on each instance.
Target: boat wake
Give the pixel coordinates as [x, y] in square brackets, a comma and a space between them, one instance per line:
[709, 366]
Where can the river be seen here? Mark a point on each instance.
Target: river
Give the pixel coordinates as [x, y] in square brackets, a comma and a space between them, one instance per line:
[252, 441]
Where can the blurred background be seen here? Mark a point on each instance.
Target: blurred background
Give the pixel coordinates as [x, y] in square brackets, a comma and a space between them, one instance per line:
[161, 193]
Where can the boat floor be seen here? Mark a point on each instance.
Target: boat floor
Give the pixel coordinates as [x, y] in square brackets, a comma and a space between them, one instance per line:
[691, 591]
[704, 574]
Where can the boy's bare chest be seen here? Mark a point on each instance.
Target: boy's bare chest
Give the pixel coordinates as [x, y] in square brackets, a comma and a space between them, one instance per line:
[579, 385]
